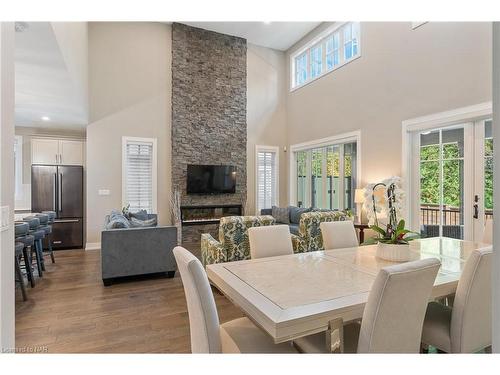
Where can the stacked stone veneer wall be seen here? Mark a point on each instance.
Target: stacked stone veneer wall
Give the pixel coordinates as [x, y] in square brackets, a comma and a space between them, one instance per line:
[208, 108]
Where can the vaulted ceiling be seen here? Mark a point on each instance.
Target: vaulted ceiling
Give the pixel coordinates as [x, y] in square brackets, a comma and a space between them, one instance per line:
[51, 75]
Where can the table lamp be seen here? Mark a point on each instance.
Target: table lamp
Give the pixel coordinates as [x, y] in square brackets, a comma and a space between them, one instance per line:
[359, 199]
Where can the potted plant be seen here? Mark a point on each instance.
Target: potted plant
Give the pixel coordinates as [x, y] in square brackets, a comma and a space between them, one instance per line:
[393, 238]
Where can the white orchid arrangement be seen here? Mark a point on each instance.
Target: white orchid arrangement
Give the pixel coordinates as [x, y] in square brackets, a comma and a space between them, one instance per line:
[378, 192]
[387, 197]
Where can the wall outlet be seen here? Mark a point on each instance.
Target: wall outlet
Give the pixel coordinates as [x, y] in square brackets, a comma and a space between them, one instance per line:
[4, 218]
[103, 192]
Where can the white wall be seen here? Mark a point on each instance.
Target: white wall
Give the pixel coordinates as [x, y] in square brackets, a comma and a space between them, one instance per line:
[401, 74]
[7, 287]
[130, 91]
[266, 113]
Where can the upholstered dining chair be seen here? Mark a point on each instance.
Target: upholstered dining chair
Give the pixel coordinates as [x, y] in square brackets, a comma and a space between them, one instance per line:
[270, 241]
[393, 315]
[465, 327]
[338, 234]
[207, 336]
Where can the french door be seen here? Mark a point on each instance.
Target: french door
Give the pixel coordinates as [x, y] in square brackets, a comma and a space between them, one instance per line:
[325, 177]
[451, 180]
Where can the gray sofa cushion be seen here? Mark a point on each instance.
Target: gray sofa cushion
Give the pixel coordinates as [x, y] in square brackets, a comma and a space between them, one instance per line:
[266, 211]
[294, 229]
[295, 213]
[281, 214]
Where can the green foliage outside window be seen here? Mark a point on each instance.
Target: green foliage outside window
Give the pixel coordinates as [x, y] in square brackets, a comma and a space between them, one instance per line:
[430, 172]
[488, 174]
[452, 174]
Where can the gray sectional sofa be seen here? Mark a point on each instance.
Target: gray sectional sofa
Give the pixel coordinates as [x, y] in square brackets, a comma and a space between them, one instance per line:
[293, 221]
[136, 251]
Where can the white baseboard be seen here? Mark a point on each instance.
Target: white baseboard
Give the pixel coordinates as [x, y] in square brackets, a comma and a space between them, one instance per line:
[93, 246]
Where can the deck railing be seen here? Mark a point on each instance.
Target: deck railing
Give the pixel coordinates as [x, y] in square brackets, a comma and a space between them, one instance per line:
[430, 215]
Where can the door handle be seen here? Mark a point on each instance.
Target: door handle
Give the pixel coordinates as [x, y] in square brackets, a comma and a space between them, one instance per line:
[60, 193]
[55, 193]
[476, 207]
[476, 211]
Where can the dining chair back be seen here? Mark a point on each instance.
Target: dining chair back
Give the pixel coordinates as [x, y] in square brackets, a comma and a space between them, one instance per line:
[270, 241]
[203, 317]
[395, 310]
[338, 234]
[471, 315]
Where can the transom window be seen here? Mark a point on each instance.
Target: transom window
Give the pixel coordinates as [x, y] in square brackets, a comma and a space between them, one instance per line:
[332, 49]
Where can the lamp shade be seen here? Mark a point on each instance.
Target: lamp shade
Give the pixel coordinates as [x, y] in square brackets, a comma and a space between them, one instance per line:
[359, 196]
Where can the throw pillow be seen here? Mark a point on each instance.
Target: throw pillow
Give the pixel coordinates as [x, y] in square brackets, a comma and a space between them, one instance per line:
[295, 213]
[137, 223]
[281, 214]
[117, 222]
[141, 215]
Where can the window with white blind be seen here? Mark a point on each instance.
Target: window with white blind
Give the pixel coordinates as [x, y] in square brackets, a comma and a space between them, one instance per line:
[139, 174]
[267, 171]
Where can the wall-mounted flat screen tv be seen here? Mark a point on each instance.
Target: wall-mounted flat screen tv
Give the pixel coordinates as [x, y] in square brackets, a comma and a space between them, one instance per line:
[211, 179]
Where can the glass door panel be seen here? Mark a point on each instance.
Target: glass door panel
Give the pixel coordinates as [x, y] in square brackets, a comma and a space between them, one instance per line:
[488, 170]
[430, 184]
[301, 158]
[332, 169]
[317, 177]
[442, 183]
[453, 183]
[349, 175]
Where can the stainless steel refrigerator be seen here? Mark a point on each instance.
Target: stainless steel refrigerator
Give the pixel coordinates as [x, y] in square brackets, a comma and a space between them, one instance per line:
[59, 188]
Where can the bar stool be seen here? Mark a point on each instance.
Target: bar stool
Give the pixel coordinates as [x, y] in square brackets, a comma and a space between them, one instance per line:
[39, 235]
[52, 218]
[19, 246]
[22, 236]
[47, 228]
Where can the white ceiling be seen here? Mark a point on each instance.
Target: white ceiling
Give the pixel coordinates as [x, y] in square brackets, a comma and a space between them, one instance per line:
[276, 35]
[46, 82]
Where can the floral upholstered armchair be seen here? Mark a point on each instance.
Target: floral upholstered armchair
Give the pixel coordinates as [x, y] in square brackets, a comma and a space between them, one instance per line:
[309, 238]
[233, 239]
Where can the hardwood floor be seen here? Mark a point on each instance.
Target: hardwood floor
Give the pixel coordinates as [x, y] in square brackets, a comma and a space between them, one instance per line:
[70, 311]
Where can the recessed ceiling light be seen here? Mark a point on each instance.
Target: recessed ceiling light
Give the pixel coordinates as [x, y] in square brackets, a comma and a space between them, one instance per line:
[45, 118]
[267, 22]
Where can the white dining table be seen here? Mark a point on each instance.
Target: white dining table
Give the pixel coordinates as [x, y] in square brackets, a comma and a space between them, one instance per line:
[292, 296]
